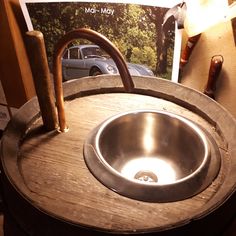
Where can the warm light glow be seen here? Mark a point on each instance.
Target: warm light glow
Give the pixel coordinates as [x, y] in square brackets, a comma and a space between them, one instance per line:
[163, 170]
[202, 14]
[148, 139]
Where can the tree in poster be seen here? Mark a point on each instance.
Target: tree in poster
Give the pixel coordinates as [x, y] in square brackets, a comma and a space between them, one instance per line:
[156, 16]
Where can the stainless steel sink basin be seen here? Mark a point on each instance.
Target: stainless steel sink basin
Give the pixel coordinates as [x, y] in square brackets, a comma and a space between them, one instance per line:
[152, 156]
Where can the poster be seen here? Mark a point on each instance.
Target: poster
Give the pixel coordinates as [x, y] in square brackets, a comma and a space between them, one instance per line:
[134, 26]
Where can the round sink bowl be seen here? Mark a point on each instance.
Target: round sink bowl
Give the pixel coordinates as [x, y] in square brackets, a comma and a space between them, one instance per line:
[153, 156]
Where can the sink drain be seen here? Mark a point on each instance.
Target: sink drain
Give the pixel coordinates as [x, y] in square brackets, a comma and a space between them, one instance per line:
[146, 176]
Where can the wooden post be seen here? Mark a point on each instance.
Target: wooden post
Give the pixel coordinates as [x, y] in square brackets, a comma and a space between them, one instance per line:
[41, 75]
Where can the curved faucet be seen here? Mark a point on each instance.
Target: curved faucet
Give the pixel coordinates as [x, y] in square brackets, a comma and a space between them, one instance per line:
[101, 41]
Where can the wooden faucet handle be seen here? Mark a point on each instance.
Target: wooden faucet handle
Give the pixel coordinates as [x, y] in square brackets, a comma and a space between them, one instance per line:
[191, 43]
[214, 71]
[41, 75]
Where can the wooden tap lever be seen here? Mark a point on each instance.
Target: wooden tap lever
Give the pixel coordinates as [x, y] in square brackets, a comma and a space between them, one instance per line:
[214, 71]
[191, 43]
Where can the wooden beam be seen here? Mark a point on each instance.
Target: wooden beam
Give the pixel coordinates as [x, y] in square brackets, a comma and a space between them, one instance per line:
[15, 72]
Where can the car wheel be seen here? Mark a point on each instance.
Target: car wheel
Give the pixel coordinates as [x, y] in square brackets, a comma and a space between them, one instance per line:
[95, 71]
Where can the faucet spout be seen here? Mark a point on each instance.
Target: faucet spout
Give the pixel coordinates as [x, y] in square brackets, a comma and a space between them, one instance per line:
[101, 41]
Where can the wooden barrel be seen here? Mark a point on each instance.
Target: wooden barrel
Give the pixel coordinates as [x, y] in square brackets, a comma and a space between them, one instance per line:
[48, 189]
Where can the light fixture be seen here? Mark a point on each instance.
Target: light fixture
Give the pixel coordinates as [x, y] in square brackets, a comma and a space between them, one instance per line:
[203, 14]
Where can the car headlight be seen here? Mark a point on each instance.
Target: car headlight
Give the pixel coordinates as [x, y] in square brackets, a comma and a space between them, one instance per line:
[111, 69]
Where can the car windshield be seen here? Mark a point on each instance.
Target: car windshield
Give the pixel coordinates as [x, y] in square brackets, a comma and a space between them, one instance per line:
[93, 52]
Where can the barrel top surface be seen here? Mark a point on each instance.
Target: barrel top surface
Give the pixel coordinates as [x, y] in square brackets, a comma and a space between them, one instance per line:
[49, 169]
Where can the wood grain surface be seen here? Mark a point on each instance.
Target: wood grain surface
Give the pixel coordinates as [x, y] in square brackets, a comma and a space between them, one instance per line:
[48, 168]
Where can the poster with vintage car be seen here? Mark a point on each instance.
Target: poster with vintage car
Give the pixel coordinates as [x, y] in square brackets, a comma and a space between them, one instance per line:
[134, 26]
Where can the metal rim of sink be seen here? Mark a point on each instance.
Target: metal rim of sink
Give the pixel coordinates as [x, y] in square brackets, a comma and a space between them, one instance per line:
[149, 188]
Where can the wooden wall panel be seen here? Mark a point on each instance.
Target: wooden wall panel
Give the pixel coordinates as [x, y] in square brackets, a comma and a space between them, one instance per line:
[15, 73]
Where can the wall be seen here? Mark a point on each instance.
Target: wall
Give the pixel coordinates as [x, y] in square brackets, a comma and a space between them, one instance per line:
[217, 40]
